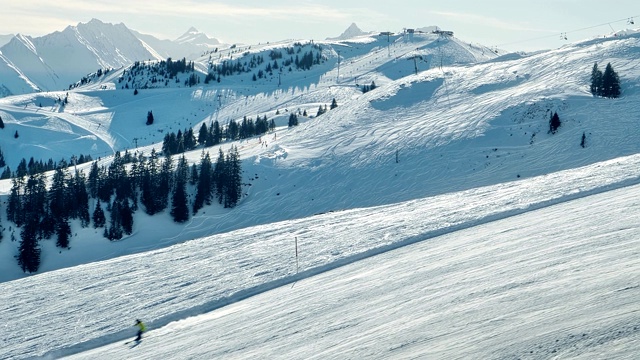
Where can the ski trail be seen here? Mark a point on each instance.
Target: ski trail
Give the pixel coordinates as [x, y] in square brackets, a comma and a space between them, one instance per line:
[497, 206]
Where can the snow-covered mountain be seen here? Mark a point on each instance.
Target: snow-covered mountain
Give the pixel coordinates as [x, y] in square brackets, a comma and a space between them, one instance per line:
[362, 61]
[54, 61]
[352, 31]
[195, 37]
[452, 137]
[191, 45]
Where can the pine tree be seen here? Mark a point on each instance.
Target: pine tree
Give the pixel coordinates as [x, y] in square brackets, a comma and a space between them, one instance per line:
[47, 225]
[610, 83]
[118, 179]
[35, 197]
[6, 173]
[596, 81]
[220, 176]
[150, 117]
[232, 130]
[63, 231]
[135, 178]
[79, 198]
[150, 179]
[21, 171]
[164, 184]
[114, 232]
[203, 133]
[98, 217]
[1, 123]
[554, 123]
[188, 141]
[58, 195]
[293, 120]
[14, 206]
[233, 183]
[169, 144]
[334, 104]
[94, 179]
[204, 187]
[126, 217]
[216, 133]
[29, 250]
[193, 178]
[182, 170]
[35, 207]
[179, 206]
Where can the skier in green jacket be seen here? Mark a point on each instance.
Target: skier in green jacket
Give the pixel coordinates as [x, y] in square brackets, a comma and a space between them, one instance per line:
[141, 329]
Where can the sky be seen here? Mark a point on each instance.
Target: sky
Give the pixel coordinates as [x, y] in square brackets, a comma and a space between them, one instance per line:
[511, 25]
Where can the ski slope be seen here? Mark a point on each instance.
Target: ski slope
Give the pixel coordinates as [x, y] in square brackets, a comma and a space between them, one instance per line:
[560, 282]
[91, 305]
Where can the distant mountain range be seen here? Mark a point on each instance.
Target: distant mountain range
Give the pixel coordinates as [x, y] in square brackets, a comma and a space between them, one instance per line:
[56, 60]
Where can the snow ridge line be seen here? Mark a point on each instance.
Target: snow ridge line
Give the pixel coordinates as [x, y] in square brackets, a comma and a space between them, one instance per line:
[292, 279]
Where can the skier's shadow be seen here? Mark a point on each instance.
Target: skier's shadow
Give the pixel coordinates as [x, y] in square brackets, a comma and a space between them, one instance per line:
[135, 343]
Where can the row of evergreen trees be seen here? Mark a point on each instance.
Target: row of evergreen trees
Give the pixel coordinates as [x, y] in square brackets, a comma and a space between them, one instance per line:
[155, 72]
[367, 88]
[246, 63]
[214, 134]
[605, 84]
[91, 78]
[38, 166]
[148, 183]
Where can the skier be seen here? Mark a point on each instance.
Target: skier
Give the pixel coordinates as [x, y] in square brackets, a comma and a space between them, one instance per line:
[141, 329]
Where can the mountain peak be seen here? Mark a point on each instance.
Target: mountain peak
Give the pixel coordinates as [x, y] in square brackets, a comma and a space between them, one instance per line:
[353, 27]
[196, 37]
[352, 31]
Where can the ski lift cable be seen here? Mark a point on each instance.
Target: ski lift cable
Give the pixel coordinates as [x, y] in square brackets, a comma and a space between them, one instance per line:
[569, 32]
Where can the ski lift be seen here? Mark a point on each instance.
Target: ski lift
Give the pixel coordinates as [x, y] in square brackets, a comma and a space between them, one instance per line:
[563, 36]
[630, 21]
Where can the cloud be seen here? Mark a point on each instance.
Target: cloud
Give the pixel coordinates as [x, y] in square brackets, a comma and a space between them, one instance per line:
[45, 17]
[172, 8]
[488, 22]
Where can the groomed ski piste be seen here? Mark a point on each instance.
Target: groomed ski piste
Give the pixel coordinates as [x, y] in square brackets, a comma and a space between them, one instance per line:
[513, 270]
[434, 216]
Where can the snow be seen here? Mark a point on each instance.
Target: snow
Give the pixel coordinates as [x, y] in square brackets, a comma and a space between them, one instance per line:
[190, 49]
[435, 217]
[57, 60]
[562, 279]
[198, 38]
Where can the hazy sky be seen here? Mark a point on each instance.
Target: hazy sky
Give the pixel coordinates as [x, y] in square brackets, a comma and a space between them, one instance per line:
[509, 24]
